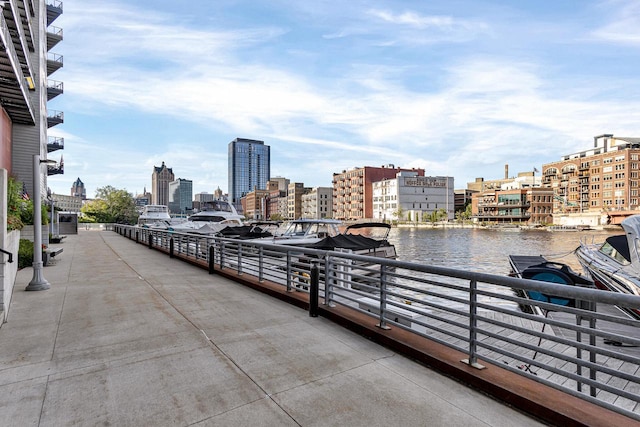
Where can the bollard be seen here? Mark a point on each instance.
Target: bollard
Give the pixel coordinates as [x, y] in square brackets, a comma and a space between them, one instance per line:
[314, 291]
[212, 259]
[171, 247]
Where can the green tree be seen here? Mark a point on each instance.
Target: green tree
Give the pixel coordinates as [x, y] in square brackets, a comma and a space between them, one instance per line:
[111, 206]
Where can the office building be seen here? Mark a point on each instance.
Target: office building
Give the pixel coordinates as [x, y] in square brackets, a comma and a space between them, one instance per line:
[78, 190]
[160, 179]
[411, 197]
[353, 192]
[27, 37]
[180, 196]
[249, 168]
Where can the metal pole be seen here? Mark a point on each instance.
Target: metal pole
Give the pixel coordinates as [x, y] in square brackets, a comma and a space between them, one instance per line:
[314, 290]
[38, 282]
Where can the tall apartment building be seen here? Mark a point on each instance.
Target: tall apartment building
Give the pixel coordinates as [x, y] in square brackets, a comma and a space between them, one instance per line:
[249, 168]
[410, 197]
[180, 196]
[160, 179]
[602, 178]
[353, 191]
[27, 36]
[78, 190]
[318, 203]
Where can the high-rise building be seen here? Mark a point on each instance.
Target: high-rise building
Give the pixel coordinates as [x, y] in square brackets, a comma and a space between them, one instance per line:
[249, 168]
[26, 37]
[78, 190]
[180, 196]
[160, 179]
[200, 198]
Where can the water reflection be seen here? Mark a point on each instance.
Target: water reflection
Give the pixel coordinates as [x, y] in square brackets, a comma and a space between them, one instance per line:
[487, 251]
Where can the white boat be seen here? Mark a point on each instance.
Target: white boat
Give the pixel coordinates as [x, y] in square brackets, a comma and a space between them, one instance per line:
[305, 232]
[614, 265]
[213, 217]
[157, 216]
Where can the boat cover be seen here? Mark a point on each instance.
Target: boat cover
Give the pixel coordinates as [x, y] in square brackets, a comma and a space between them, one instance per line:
[347, 241]
[621, 245]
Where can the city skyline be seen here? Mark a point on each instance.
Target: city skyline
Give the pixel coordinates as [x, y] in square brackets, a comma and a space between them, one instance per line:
[457, 88]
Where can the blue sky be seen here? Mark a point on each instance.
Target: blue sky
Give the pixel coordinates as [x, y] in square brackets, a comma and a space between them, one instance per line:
[457, 87]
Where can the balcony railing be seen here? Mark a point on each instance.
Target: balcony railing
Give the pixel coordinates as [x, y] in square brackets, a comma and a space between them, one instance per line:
[54, 62]
[55, 118]
[55, 143]
[54, 88]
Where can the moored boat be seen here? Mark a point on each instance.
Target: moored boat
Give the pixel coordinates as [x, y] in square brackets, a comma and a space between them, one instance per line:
[157, 217]
[614, 264]
[213, 217]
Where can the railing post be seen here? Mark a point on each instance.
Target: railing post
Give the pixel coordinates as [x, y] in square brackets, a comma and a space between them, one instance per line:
[473, 325]
[328, 282]
[212, 259]
[383, 300]
[171, 248]
[221, 255]
[288, 271]
[260, 264]
[150, 241]
[239, 258]
[137, 236]
[314, 290]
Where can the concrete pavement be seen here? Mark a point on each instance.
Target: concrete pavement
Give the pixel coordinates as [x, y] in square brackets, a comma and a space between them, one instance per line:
[128, 336]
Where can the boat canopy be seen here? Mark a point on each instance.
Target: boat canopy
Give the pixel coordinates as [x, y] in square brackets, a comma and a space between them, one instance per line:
[619, 244]
[347, 241]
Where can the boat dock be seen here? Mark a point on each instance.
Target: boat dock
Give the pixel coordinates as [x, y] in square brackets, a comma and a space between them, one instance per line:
[129, 336]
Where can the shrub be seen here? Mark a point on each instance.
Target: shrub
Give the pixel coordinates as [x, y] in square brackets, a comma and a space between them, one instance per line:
[25, 253]
[14, 204]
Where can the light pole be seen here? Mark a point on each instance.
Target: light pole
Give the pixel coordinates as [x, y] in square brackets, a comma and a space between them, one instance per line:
[38, 282]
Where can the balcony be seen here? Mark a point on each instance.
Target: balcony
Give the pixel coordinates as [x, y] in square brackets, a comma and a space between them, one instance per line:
[54, 63]
[54, 36]
[54, 88]
[54, 10]
[55, 118]
[57, 169]
[55, 143]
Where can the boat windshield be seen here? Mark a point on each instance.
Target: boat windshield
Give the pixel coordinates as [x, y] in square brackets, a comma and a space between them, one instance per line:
[616, 248]
[217, 205]
[319, 229]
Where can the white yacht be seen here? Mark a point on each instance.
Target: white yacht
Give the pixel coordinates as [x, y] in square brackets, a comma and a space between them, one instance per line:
[305, 232]
[157, 216]
[213, 217]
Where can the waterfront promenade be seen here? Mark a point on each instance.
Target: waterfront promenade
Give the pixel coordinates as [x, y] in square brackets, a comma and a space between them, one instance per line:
[128, 336]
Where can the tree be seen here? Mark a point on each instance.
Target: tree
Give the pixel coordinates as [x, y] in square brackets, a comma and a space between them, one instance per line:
[111, 206]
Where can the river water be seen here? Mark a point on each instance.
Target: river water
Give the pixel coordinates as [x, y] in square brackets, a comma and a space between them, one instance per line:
[487, 251]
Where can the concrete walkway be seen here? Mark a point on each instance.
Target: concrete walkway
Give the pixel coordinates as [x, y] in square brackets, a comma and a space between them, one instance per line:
[128, 336]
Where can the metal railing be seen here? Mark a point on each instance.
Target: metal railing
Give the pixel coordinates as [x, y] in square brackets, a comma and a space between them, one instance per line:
[589, 349]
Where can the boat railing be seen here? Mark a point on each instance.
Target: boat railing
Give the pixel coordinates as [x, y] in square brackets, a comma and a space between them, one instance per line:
[573, 347]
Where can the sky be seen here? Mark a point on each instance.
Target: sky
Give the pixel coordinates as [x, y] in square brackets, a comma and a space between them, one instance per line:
[457, 87]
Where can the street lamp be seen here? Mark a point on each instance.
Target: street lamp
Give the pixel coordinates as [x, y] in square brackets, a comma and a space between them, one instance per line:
[38, 282]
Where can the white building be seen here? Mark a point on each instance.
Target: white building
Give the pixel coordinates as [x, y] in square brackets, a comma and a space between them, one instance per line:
[414, 197]
[318, 203]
